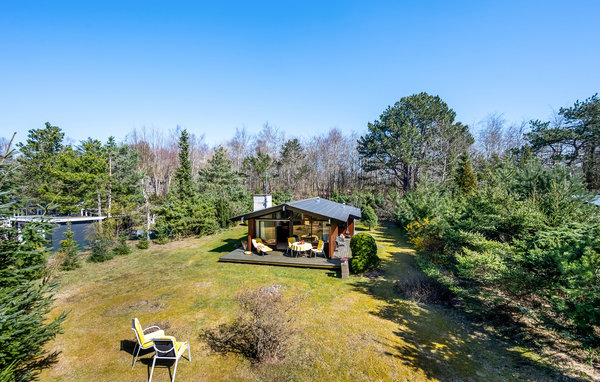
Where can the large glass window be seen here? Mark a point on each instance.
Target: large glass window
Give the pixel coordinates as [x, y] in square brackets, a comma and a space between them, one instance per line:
[266, 231]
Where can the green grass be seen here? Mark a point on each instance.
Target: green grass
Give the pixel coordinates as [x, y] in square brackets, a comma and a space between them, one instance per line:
[354, 329]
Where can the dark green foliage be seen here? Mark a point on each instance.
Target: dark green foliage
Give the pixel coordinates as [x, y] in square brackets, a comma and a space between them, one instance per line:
[222, 186]
[23, 308]
[364, 253]
[183, 174]
[122, 249]
[562, 264]
[525, 233]
[68, 250]
[38, 156]
[144, 243]
[259, 166]
[574, 141]
[369, 218]
[99, 249]
[406, 136]
[177, 219]
[25, 300]
[280, 197]
[465, 178]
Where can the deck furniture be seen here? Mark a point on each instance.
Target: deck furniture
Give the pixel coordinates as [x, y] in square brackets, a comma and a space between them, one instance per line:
[260, 247]
[169, 349]
[291, 241]
[319, 250]
[144, 340]
[340, 241]
[302, 247]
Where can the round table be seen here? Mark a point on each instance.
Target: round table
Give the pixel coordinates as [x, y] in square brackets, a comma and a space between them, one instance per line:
[299, 247]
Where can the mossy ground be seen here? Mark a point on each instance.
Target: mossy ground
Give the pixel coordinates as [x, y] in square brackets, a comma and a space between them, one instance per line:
[353, 329]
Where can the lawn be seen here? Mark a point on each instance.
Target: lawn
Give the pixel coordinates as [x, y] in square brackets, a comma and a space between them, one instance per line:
[353, 329]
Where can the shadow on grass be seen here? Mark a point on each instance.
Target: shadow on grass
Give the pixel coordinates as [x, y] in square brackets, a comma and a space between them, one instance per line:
[441, 342]
[228, 245]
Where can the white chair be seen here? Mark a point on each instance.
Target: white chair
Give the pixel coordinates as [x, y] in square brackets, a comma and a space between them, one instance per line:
[144, 341]
[169, 349]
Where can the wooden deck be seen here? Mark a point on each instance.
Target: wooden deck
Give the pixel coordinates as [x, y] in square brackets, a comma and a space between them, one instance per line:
[287, 260]
[280, 258]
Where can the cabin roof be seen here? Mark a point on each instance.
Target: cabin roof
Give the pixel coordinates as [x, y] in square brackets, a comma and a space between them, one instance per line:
[312, 206]
[56, 219]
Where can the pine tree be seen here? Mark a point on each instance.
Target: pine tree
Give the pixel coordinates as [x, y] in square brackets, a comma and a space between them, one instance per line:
[68, 249]
[183, 173]
[465, 178]
[223, 186]
[25, 299]
[369, 217]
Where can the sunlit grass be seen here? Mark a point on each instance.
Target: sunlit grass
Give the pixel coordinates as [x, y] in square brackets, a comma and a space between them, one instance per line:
[354, 329]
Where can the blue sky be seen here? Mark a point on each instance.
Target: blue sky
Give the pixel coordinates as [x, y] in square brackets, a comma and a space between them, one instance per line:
[103, 68]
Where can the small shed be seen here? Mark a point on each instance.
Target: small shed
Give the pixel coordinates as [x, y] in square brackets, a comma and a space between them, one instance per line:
[80, 225]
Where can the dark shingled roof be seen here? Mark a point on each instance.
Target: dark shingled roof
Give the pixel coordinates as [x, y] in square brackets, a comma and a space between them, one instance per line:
[317, 206]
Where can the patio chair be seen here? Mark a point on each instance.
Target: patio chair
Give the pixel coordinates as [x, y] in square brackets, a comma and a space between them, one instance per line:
[169, 349]
[144, 341]
[291, 241]
[319, 250]
[260, 247]
[340, 241]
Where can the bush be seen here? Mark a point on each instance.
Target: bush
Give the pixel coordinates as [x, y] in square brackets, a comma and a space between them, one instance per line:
[419, 288]
[100, 251]
[263, 331]
[144, 243]
[122, 249]
[364, 253]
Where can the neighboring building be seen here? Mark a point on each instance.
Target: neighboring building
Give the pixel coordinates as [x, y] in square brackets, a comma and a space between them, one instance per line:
[80, 225]
[311, 220]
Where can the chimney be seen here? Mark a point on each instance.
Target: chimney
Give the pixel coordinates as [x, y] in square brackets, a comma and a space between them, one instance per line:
[262, 201]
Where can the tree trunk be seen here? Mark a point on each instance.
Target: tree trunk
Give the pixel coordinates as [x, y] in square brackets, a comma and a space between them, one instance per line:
[99, 205]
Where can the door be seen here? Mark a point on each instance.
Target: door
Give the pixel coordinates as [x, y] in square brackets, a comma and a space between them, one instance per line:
[283, 232]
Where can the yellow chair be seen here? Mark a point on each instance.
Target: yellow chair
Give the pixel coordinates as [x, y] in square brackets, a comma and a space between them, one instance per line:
[290, 248]
[319, 249]
[144, 341]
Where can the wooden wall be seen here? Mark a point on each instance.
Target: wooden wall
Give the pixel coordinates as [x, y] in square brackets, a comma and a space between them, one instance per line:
[251, 226]
[333, 233]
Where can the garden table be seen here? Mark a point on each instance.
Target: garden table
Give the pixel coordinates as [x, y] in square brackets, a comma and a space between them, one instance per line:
[300, 247]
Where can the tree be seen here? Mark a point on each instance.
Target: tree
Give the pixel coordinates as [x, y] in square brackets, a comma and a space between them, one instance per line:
[369, 217]
[290, 165]
[400, 141]
[68, 250]
[465, 178]
[183, 173]
[25, 300]
[573, 139]
[219, 183]
[38, 156]
[93, 173]
[258, 167]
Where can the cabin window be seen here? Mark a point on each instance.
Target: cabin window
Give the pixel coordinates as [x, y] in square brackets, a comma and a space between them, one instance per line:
[266, 231]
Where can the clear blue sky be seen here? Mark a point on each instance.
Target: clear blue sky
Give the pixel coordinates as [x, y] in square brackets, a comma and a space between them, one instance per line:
[100, 68]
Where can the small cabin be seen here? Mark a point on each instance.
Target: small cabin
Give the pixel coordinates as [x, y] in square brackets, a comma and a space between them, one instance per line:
[307, 220]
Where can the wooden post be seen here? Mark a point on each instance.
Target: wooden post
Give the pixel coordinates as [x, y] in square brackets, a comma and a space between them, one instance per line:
[333, 232]
[250, 233]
